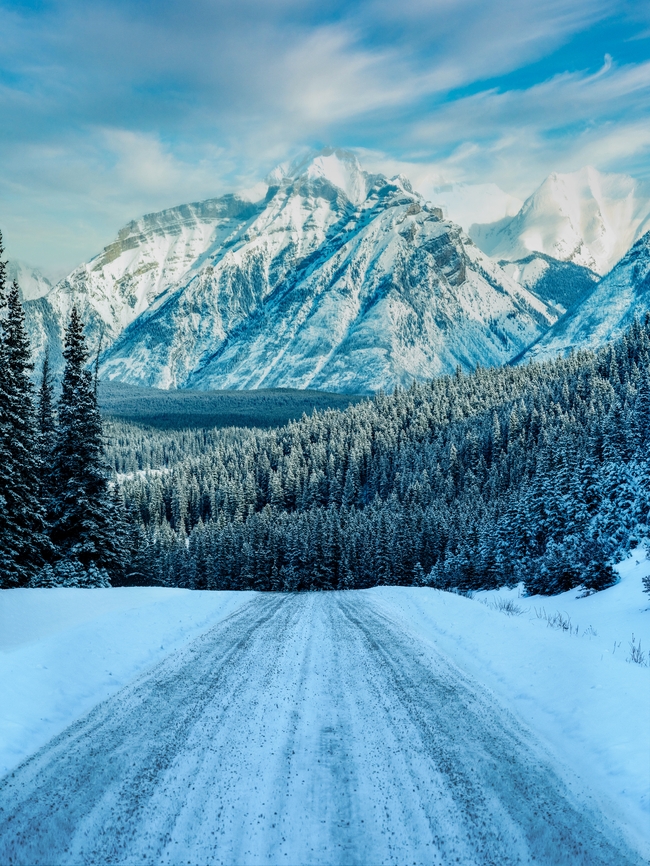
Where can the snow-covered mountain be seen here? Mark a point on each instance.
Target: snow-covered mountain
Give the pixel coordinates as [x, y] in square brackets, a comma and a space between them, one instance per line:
[558, 284]
[32, 282]
[120, 283]
[587, 217]
[337, 279]
[606, 311]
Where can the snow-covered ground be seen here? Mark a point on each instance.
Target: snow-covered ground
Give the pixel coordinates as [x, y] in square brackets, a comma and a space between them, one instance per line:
[587, 706]
[578, 691]
[62, 651]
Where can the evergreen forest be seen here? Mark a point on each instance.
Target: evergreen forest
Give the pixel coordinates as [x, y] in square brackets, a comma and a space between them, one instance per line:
[536, 474]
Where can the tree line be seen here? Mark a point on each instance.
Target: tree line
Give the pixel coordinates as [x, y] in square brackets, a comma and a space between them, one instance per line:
[535, 474]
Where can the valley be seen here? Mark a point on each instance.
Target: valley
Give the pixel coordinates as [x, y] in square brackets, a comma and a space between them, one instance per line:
[179, 409]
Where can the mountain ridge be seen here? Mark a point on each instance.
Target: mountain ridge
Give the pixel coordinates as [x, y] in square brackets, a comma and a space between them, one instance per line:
[605, 313]
[325, 276]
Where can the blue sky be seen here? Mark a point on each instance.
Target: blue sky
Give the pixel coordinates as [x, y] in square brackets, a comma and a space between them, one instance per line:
[112, 109]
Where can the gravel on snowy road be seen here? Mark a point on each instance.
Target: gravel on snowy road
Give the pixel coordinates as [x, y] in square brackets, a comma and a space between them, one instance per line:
[305, 728]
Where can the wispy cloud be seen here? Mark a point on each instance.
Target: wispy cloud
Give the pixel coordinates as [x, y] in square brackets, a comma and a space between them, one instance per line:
[114, 107]
[520, 135]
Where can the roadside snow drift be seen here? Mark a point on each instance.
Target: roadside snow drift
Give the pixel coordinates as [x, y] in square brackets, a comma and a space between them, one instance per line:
[62, 651]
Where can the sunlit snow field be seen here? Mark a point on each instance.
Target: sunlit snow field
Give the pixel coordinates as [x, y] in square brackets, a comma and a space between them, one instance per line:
[62, 651]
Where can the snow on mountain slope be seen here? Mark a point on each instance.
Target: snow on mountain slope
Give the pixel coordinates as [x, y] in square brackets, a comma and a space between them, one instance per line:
[606, 312]
[33, 283]
[122, 281]
[587, 217]
[343, 281]
[559, 284]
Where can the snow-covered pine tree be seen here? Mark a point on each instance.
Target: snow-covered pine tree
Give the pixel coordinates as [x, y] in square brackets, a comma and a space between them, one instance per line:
[534, 473]
[46, 435]
[22, 536]
[45, 411]
[6, 558]
[83, 527]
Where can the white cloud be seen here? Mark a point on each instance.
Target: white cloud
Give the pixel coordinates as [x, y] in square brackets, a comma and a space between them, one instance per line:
[517, 137]
[464, 203]
[111, 109]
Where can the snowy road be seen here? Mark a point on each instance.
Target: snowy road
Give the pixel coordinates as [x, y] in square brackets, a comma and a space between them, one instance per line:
[303, 729]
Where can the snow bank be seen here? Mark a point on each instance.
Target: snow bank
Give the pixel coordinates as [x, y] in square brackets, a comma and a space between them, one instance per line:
[577, 692]
[62, 651]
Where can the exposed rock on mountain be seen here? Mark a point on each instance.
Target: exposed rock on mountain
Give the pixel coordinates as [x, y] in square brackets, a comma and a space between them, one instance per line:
[334, 279]
[147, 256]
[339, 280]
[606, 311]
[587, 217]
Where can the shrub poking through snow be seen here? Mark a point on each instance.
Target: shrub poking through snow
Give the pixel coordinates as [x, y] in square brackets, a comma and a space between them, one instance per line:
[637, 656]
[558, 620]
[505, 605]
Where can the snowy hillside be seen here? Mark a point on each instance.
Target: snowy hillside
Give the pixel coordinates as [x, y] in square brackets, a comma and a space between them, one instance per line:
[33, 283]
[559, 284]
[607, 311]
[587, 217]
[340, 280]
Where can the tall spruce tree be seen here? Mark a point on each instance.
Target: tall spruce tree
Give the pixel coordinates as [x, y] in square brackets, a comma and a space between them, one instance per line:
[6, 468]
[83, 527]
[46, 435]
[23, 539]
[45, 411]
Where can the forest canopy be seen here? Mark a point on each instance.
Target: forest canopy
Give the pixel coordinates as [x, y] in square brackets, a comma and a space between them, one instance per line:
[536, 474]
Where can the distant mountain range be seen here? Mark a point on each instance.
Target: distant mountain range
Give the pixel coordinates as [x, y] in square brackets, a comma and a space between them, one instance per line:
[336, 279]
[33, 284]
[606, 311]
[588, 218]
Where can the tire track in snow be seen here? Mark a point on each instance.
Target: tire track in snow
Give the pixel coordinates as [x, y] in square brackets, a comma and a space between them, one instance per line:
[304, 729]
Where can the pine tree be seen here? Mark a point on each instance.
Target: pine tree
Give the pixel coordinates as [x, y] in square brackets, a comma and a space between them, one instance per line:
[6, 466]
[46, 434]
[83, 528]
[22, 534]
[45, 411]
[536, 474]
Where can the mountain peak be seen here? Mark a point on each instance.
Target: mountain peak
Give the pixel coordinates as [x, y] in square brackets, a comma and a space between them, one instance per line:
[587, 217]
[338, 279]
[340, 167]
